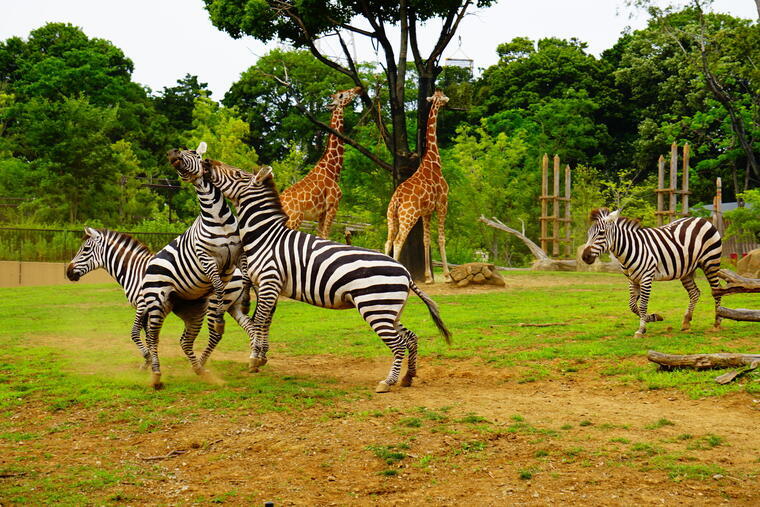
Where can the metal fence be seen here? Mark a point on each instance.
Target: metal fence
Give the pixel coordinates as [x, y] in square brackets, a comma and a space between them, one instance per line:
[59, 245]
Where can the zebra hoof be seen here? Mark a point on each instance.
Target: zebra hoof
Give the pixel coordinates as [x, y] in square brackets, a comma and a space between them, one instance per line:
[253, 365]
[406, 381]
[656, 317]
[638, 334]
[156, 382]
[382, 387]
[200, 371]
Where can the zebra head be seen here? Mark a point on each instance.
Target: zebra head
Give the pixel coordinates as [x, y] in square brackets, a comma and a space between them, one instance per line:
[598, 242]
[344, 97]
[89, 256]
[188, 162]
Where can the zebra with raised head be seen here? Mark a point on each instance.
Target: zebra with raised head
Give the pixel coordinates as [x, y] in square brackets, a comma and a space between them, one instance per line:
[196, 265]
[670, 252]
[126, 260]
[320, 272]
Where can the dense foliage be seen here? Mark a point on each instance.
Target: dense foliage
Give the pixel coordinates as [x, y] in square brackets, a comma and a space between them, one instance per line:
[80, 142]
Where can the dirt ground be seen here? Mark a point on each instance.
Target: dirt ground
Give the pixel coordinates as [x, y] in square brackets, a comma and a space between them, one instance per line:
[323, 456]
[467, 433]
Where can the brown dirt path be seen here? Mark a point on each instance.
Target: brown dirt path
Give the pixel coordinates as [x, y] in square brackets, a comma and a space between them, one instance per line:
[324, 455]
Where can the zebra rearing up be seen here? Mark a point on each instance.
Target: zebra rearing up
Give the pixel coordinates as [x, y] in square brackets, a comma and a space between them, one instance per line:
[670, 252]
[323, 273]
[195, 266]
[126, 260]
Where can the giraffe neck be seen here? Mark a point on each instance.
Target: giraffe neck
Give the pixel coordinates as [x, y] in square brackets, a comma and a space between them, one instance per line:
[332, 159]
[431, 137]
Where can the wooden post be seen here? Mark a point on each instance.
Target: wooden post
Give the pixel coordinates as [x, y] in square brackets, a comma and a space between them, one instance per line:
[555, 210]
[544, 197]
[673, 180]
[660, 188]
[568, 220]
[685, 181]
[717, 218]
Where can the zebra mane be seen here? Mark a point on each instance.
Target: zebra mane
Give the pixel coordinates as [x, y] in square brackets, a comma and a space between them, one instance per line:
[631, 223]
[598, 213]
[109, 234]
[268, 182]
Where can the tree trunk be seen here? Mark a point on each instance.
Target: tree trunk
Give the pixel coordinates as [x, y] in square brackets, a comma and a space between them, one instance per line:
[702, 361]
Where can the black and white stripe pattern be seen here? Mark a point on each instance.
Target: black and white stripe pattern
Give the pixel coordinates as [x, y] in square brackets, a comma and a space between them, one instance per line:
[126, 260]
[193, 270]
[323, 273]
[670, 252]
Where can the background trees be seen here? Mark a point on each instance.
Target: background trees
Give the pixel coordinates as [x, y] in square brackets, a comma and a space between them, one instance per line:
[81, 142]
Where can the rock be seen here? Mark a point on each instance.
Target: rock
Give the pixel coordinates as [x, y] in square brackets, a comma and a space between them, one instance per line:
[476, 272]
[749, 265]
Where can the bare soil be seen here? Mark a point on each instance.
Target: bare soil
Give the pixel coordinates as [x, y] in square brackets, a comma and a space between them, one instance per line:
[324, 455]
[577, 439]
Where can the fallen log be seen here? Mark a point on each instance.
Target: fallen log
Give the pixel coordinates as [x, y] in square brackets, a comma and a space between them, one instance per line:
[703, 361]
[736, 284]
[738, 314]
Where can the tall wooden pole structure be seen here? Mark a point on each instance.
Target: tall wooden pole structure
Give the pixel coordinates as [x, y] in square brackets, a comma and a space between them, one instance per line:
[552, 235]
[672, 190]
[543, 198]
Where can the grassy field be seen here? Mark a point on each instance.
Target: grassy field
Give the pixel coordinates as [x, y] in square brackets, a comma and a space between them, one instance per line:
[66, 350]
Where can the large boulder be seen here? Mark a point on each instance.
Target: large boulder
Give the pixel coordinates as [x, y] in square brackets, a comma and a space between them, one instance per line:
[476, 272]
[749, 265]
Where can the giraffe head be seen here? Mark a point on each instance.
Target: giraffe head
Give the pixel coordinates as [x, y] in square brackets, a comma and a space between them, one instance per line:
[343, 98]
[438, 99]
[188, 162]
[598, 242]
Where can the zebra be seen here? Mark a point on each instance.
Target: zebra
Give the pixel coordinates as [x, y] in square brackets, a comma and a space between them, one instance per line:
[317, 271]
[126, 260]
[670, 252]
[195, 266]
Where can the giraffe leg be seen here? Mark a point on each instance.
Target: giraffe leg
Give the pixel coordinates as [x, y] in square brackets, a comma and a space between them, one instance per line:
[441, 211]
[294, 220]
[392, 218]
[405, 224]
[326, 221]
[426, 246]
[693, 290]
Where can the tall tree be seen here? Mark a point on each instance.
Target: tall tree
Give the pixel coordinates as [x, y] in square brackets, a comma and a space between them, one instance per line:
[304, 23]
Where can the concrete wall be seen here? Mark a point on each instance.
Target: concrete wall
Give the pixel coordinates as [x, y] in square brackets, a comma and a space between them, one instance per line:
[22, 274]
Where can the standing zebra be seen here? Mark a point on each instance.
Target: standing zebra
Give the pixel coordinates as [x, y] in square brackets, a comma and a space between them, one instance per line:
[323, 273]
[126, 260]
[196, 265]
[670, 252]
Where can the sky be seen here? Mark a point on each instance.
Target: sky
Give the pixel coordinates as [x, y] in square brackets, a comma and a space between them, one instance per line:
[167, 39]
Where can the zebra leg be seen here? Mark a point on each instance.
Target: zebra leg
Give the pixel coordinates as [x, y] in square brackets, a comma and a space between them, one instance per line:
[266, 304]
[137, 326]
[646, 286]
[396, 342]
[411, 360]
[693, 290]
[384, 322]
[633, 302]
[187, 340]
[711, 272]
[155, 318]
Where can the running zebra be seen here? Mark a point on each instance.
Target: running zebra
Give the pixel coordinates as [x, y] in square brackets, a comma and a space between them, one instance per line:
[323, 273]
[670, 252]
[196, 266]
[126, 260]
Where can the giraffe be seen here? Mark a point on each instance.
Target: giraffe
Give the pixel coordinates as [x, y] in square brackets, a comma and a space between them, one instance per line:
[425, 192]
[317, 195]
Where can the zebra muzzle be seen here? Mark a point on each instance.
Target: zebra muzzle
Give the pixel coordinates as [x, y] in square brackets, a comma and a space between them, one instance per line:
[588, 256]
[71, 274]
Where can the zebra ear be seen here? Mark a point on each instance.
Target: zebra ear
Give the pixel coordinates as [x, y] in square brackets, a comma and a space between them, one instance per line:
[612, 217]
[93, 233]
[263, 173]
[201, 148]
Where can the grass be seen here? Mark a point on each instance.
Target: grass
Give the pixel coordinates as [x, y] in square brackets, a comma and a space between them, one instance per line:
[66, 349]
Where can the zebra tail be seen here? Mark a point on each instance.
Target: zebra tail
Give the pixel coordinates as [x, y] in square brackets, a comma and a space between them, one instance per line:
[433, 309]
